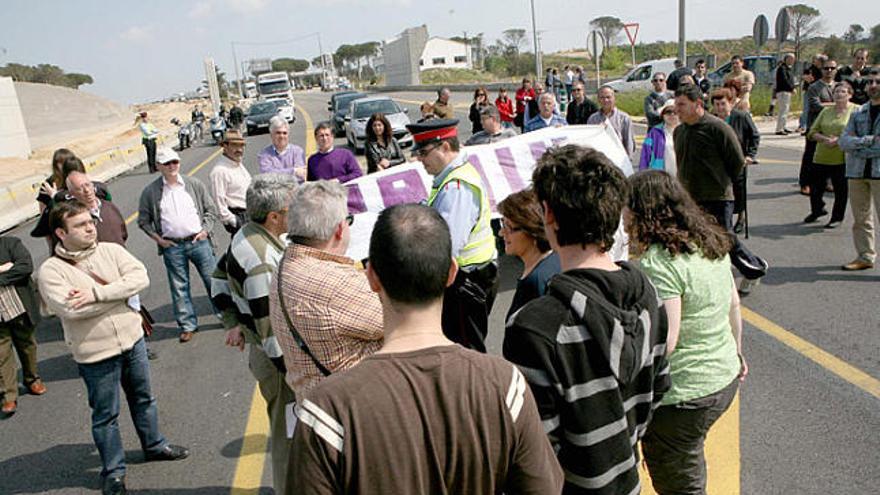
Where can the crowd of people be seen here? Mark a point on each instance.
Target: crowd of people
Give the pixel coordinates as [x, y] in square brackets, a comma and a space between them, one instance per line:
[599, 355]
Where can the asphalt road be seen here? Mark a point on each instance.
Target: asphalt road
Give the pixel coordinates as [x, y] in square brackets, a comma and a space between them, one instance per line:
[802, 428]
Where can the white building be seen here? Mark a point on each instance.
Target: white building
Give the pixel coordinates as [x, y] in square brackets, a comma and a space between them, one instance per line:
[442, 53]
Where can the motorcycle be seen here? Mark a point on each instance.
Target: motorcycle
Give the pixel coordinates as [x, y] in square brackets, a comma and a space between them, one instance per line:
[184, 134]
[218, 129]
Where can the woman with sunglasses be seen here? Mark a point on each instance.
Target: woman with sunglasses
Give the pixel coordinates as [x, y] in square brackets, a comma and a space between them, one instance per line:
[522, 228]
[658, 152]
[481, 101]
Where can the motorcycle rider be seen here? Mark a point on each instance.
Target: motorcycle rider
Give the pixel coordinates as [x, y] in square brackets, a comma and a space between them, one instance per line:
[198, 119]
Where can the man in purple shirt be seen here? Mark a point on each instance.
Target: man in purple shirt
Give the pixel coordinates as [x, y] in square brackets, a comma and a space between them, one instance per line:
[331, 163]
[282, 157]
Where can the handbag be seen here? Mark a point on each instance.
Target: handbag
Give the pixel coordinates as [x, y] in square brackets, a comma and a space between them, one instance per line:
[293, 332]
[146, 318]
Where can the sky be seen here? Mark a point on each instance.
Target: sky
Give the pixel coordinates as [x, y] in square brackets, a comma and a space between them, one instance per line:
[144, 50]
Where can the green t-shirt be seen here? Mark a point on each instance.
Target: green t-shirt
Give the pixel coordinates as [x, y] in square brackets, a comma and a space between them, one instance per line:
[705, 359]
[830, 123]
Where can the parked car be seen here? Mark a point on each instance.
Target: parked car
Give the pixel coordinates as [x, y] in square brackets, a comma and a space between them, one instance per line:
[361, 110]
[258, 116]
[763, 66]
[339, 107]
[639, 77]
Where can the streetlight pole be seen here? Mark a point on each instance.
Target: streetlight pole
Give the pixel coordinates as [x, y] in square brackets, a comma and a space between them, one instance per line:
[682, 42]
[323, 66]
[235, 64]
[535, 39]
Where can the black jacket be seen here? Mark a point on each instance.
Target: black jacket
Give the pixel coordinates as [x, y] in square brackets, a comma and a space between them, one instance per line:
[784, 79]
[577, 114]
[746, 132]
[11, 249]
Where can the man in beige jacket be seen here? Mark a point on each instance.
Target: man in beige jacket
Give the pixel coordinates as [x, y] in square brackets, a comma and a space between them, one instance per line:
[88, 285]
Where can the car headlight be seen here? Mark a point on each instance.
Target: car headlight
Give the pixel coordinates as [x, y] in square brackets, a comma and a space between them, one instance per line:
[250, 122]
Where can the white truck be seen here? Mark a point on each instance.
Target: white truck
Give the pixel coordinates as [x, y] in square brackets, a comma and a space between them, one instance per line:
[250, 89]
[274, 86]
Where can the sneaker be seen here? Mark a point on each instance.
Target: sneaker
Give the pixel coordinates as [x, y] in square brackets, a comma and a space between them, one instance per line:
[113, 486]
[747, 284]
[857, 265]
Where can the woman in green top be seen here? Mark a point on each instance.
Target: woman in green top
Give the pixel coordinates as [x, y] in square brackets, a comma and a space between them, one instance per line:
[829, 158]
[684, 253]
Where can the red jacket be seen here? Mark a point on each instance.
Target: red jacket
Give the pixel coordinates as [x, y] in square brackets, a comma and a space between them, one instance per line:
[505, 108]
[520, 99]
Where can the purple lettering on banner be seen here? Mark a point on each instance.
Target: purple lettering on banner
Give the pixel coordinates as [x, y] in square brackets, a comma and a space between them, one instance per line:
[356, 202]
[475, 161]
[560, 141]
[508, 166]
[404, 187]
[538, 148]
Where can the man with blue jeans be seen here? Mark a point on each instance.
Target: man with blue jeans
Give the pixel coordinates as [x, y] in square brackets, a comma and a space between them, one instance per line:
[179, 215]
[89, 284]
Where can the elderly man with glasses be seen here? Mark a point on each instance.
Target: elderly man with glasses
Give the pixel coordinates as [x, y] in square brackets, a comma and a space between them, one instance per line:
[282, 156]
[459, 195]
[179, 216]
[656, 99]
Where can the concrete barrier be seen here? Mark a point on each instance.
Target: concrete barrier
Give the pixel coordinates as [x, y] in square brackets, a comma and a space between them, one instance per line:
[18, 200]
[13, 133]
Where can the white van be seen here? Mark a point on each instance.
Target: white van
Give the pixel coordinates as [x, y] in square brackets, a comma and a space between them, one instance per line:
[639, 78]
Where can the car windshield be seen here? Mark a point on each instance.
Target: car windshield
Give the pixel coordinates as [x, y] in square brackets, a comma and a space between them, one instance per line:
[268, 88]
[364, 109]
[268, 107]
[280, 103]
[342, 101]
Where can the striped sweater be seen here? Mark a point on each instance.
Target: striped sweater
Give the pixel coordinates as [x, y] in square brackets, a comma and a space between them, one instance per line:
[593, 350]
[241, 283]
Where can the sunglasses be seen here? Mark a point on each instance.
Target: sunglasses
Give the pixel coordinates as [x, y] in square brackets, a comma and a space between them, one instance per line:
[423, 152]
[172, 162]
[829, 68]
[658, 80]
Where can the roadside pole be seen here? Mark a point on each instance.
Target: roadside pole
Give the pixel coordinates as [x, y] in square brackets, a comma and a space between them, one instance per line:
[682, 42]
[596, 45]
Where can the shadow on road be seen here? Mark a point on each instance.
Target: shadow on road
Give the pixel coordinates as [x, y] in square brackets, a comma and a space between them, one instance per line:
[73, 466]
[781, 275]
[232, 450]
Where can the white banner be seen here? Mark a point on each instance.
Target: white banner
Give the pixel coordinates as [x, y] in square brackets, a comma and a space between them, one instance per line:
[506, 167]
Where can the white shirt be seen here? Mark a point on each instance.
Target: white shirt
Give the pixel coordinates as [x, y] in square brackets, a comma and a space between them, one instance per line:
[180, 218]
[669, 154]
[229, 182]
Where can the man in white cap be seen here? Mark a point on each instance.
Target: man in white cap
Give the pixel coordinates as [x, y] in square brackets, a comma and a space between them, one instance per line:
[179, 216]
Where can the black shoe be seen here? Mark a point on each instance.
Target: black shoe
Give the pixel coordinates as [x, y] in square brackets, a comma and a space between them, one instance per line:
[781, 133]
[169, 453]
[787, 131]
[812, 217]
[833, 224]
[113, 486]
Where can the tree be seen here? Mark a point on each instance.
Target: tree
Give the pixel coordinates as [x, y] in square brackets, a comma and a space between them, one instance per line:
[75, 80]
[854, 33]
[512, 40]
[610, 28]
[290, 64]
[805, 23]
[836, 49]
[874, 42]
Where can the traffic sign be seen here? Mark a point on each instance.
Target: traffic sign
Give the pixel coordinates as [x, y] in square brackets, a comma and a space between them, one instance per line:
[632, 35]
[783, 25]
[595, 44]
[761, 30]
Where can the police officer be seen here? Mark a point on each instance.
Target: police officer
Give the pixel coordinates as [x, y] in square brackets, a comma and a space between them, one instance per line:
[459, 195]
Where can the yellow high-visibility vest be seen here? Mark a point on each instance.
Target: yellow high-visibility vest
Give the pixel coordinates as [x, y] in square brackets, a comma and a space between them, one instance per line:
[480, 246]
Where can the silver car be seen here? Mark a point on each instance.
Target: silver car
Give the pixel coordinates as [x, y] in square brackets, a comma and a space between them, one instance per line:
[360, 112]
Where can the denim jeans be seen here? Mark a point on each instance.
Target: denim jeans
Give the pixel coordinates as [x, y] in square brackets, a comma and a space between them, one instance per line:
[177, 260]
[131, 370]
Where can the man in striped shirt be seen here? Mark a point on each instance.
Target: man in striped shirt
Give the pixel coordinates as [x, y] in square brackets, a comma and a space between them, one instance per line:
[593, 347]
[423, 414]
[240, 289]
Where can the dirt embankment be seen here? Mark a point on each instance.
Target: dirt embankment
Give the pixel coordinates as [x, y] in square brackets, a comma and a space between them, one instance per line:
[95, 142]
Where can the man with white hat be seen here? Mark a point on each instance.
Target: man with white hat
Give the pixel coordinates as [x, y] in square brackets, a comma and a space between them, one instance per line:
[179, 215]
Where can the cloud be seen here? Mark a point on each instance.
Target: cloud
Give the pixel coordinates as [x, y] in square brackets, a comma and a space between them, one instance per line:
[136, 33]
[200, 10]
[247, 6]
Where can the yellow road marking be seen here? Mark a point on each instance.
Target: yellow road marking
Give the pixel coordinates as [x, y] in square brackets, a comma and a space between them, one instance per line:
[249, 469]
[252, 457]
[133, 216]
[722, 456]
[778, 162]
[824, 359]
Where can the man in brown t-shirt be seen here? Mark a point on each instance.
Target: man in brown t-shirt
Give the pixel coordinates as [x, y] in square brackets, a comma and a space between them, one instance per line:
[422, 415]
